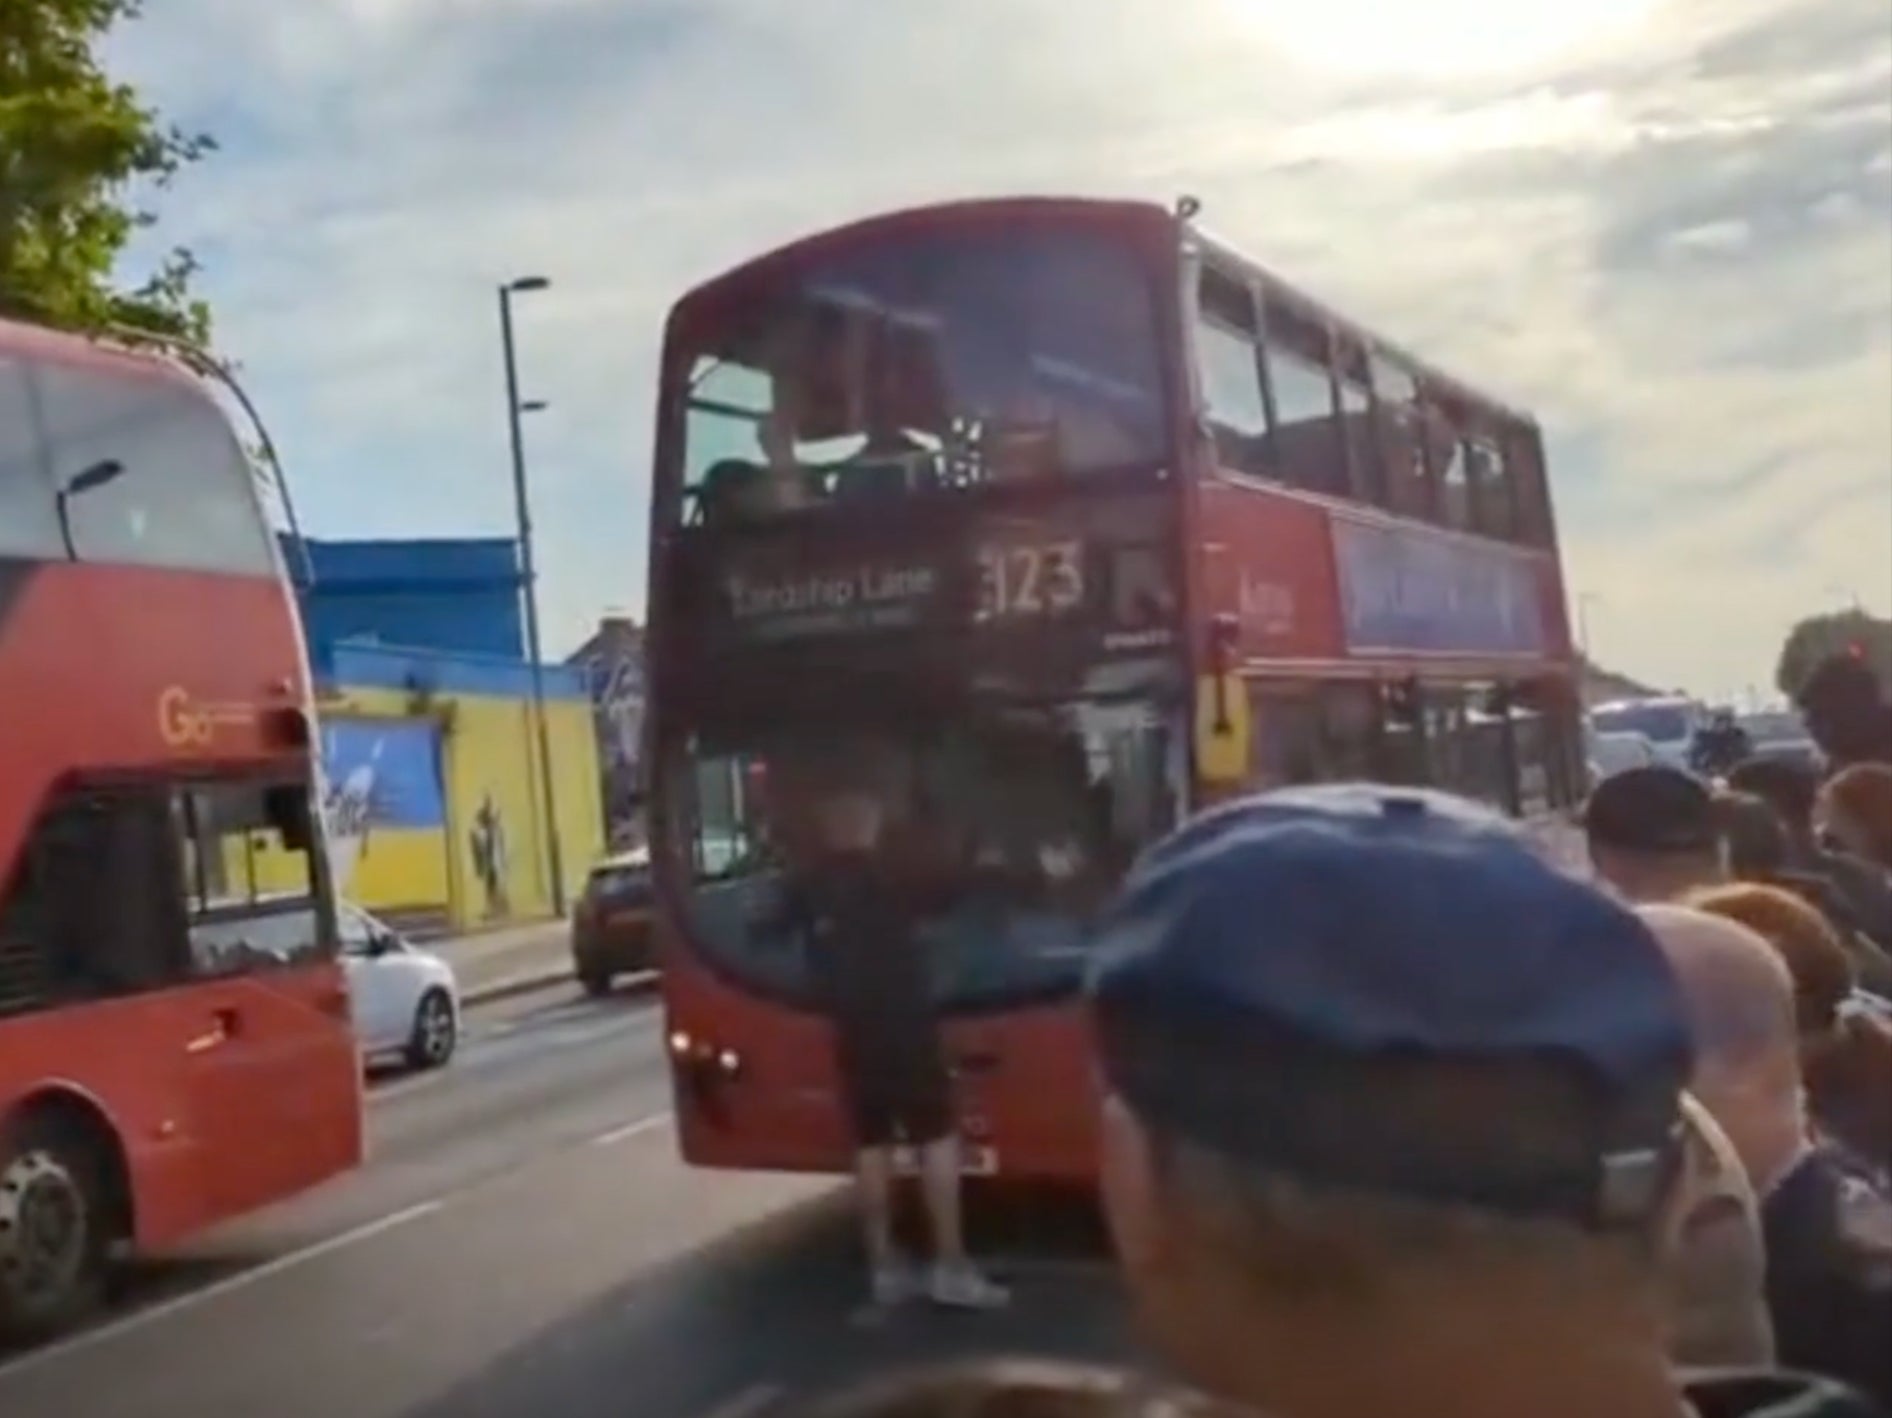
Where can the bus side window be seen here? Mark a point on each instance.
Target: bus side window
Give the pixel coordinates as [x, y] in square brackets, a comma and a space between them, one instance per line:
[1544, 740]
[1366, 470]
[1409, 489]
[1228, 365]
[1448, 739]
[1287, 744]
[1537, 773]
[1352, 731]
[29, 967]
[1451, 468]
[1303, 443]
[1467, 745]
[1403, 753]
[287, 810]
[249, 891]
[1564, 755]
[29, 526]
[1495, 495]
[90, 912]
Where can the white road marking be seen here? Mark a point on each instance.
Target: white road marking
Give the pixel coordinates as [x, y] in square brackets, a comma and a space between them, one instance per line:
[138, 1319]
[748, 1403]
[629, 1130]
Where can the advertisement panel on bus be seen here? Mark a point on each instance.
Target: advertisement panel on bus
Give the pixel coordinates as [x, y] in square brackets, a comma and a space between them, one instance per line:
[1306, 582]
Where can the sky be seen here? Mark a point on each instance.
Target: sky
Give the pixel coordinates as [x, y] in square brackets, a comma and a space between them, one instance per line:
[1665, 226]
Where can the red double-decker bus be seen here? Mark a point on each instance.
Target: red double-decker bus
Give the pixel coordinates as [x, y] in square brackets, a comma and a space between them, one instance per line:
[1061, 518]
[174, 1037]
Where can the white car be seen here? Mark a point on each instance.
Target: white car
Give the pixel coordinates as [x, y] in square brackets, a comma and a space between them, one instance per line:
[405, 1001]
[1616, 752]
[1668, 721]
[1781, 733]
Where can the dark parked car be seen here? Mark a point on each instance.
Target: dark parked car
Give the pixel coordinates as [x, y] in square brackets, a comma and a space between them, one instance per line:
[1781, 733]
[613, 924]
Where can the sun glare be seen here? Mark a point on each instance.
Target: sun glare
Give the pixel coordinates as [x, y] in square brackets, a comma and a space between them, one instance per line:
[1439, 39]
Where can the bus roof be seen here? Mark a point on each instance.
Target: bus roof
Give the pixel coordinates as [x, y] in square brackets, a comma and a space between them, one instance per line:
[1151, 216]
[116, 356]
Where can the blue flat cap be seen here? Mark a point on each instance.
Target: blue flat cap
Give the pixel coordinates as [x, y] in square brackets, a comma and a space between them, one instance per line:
[1393, 988]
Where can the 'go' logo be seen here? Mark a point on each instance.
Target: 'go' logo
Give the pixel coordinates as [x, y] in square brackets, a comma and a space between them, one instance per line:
[182, 724]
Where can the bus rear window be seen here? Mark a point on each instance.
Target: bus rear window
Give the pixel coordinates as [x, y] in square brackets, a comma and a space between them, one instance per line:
[919, 363]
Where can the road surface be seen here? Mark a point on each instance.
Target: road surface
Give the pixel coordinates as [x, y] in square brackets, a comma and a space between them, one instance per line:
[524, 1242]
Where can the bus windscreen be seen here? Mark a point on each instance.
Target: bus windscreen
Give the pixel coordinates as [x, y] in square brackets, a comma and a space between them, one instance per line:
[1008, 829]
[909, 362]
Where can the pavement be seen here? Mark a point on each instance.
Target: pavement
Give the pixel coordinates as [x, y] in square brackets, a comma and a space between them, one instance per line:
[524, 1240]
[496, 964]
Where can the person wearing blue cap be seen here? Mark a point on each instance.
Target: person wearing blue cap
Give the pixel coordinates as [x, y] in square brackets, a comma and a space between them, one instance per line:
[1394, 1120]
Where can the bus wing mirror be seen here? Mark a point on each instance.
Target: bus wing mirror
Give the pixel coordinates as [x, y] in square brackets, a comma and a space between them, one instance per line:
[286, 808]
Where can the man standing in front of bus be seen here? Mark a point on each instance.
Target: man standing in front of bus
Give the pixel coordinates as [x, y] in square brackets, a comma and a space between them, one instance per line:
[875, 982]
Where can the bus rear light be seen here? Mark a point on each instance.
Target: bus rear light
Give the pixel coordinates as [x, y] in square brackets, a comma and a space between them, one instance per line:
[680, 1044]
[729, 1063]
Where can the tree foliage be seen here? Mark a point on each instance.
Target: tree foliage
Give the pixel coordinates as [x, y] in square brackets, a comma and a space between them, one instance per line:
[77, 152]
[1837, 632]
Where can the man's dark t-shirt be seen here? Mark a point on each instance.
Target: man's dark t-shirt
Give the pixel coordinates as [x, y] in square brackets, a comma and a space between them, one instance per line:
[868, 968]
[1866, 890]
[1829, 1283]
[873, 981]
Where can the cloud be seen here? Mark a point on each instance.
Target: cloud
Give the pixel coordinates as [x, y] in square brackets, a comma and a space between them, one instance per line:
[1666, 231]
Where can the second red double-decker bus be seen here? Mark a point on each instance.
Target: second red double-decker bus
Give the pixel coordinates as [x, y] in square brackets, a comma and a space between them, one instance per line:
[175, 1044]
[1060, 519]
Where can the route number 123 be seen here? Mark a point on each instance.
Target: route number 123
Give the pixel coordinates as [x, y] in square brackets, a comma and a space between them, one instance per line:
[1030, 579]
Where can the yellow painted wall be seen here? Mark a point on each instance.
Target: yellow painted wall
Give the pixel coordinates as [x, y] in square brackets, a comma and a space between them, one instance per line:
[489, 769]
[401, 869]
[398, 870]
[258, 863]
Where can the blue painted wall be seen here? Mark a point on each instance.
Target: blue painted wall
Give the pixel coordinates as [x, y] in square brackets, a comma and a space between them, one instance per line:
[368, 667]
[453, 596]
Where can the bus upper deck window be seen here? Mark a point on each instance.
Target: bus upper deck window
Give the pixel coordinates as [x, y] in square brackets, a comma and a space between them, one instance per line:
[1395, 398]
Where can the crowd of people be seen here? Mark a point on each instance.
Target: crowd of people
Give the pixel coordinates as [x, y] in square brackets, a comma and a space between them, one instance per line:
[1402, 1118]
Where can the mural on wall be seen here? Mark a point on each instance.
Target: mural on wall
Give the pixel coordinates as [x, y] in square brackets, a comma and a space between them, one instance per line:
[613, 661]
[491, 857]
[386, 810]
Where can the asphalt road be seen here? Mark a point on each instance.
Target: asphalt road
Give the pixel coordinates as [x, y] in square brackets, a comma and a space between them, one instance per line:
[524, 1242]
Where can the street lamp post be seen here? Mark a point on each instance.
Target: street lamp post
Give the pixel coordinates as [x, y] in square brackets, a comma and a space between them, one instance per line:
[528, 573]
[1584, 599]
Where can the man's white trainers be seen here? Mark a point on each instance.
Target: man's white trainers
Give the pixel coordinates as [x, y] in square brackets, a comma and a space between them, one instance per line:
[960, 1287]
[895, 1283]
